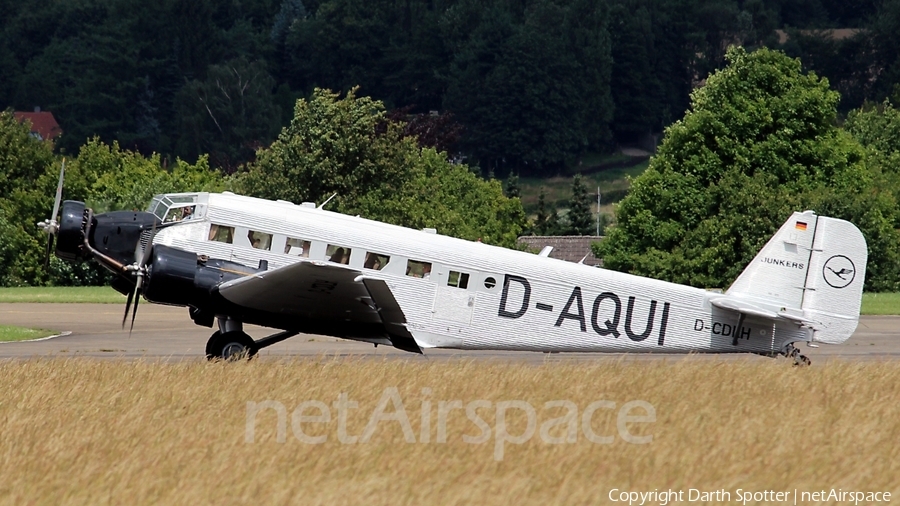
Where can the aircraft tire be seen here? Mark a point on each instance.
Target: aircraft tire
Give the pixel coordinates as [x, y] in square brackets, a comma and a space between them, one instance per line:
[230, 346]
[210, 352]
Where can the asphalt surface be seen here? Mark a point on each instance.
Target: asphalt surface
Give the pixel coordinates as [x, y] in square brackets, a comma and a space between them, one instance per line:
[167, 333]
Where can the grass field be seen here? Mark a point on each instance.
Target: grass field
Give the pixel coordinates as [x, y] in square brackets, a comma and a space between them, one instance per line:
[881, 303]
[98, 432]
[8, 333]
[872, 304]
[612, 183]
[63, 294]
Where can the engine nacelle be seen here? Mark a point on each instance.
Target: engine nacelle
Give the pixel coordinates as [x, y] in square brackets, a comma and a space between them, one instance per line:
[70, 237]
[182, 278]
[117, 234]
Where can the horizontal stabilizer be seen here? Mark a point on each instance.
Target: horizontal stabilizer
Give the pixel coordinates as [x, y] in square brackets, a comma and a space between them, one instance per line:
[742, 307]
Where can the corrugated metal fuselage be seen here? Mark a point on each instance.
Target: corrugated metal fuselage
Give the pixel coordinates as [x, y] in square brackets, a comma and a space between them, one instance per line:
[513, 300]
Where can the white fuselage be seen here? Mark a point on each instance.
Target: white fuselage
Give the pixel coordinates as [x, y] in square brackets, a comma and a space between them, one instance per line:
[513, 300]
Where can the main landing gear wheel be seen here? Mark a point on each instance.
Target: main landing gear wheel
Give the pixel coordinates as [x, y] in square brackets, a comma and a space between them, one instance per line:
[230, 346]
[799, 360]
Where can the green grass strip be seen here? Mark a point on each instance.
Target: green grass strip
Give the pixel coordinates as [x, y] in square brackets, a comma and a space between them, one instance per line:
[881, 304]
[66, 294]
[22, 334]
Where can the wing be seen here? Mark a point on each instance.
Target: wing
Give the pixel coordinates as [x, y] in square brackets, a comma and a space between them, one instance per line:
[323, 291]
[305, 290]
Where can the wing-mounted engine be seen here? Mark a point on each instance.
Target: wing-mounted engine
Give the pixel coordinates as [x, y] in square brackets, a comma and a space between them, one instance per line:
[182, 278]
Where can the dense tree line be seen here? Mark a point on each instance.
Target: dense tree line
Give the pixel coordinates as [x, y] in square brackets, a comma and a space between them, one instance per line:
[759, 142]
[333, 145]
[533, 83]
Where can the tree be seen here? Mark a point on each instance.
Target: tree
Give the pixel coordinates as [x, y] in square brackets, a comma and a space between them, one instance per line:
[290, 12]
[847, 63]
[23, 158]
[102, 101]
[540, 221]
[438, 131]
[229, 115]
[512, 186]
[346, 146]
[581, 221]
[882, 55]
[340, 45]
[635, 82]
[103, 176]
[759, 142]
[877, 128]
[554, 225]
[114, 178]
[532, 91]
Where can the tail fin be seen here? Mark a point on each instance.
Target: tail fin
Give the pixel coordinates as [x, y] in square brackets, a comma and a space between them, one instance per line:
[811, 271]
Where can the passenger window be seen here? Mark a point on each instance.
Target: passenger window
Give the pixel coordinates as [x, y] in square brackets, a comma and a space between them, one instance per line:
[375, 261]
[418, 269]
[221, 233]
[458, 279]
[338, 254]
[260, 240]
[297, 247]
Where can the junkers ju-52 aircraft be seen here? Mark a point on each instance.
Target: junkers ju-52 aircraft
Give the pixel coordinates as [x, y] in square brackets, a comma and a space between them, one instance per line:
[233, 259]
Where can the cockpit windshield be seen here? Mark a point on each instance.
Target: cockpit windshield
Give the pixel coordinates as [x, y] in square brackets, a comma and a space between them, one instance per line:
[174, 207]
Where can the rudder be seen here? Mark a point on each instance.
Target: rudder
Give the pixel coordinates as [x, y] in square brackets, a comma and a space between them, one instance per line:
[837, 271]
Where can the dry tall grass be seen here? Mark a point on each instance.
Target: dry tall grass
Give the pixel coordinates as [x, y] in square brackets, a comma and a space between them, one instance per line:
[100, 432]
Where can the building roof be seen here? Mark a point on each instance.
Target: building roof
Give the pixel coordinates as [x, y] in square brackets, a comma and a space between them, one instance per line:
[43, 124]
[571, 248]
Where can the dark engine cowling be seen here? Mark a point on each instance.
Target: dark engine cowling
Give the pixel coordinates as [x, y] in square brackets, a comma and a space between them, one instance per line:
[181, 278]
[113, 236]
[118, 233]
[70, 237]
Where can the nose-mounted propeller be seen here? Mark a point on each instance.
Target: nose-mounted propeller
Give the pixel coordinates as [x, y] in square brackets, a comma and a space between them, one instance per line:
[139, 270]
[51, 226]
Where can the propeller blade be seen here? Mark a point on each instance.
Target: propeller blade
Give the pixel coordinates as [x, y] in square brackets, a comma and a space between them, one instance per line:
[136, 301]
[49, 252]
[141, 272]
[127, 307]
[59, 188]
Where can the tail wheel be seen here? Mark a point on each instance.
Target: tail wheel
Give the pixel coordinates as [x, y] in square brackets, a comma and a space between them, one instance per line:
[230, 346]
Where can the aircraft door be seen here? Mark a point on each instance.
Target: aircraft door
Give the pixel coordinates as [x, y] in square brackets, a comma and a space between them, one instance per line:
[454, 300]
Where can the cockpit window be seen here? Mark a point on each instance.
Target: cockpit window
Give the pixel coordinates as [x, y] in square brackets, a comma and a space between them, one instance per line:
[180, 213]
[169, 208]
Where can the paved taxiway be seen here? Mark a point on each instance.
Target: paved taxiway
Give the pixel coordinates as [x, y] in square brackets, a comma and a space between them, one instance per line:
[162, 332]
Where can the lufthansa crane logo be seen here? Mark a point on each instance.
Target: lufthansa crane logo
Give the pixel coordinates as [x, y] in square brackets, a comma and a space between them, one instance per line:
[839, 271]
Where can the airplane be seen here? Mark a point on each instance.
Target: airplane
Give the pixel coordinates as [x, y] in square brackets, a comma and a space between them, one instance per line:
[235, 260]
